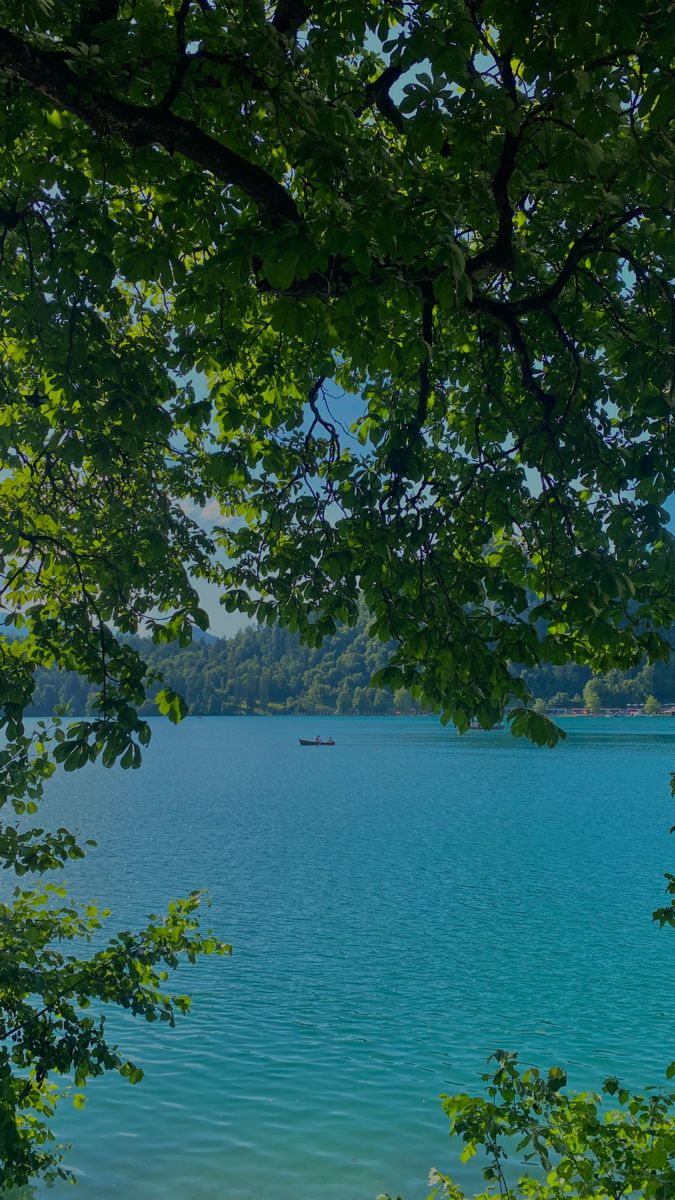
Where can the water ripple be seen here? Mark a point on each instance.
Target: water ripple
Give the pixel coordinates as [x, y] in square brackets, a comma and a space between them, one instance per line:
[400, 906]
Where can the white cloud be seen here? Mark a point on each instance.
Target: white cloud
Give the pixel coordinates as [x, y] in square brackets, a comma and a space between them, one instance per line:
[206, 516]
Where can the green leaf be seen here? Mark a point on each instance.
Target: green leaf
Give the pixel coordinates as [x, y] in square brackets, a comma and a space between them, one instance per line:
[171, 705]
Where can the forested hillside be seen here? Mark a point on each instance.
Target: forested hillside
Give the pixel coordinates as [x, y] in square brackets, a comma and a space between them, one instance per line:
[267, 671]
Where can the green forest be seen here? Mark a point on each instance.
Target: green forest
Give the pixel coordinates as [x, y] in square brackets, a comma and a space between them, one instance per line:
[268, 670]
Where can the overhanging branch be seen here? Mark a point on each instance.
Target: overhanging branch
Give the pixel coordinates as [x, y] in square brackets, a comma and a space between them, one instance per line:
[377, 94]
[499, 256]
[594, 238]
[289, 15]
[48, 74]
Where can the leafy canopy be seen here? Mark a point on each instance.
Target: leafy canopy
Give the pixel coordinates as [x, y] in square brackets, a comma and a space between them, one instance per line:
[217, 215]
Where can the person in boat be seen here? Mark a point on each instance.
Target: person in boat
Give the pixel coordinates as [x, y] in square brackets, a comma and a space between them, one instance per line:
[317, 739]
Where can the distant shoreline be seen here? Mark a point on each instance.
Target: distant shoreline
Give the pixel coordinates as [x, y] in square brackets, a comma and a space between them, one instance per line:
[398, 715]
[362, 716]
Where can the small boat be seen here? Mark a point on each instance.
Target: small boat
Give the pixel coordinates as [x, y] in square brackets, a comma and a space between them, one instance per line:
[316, 741]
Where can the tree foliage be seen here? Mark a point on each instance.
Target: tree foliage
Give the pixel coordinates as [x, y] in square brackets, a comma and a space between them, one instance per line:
[219, 222]
[577, 1145]
[215, 216]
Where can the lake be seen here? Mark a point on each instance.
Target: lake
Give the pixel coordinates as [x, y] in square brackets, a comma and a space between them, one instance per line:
[400, 906]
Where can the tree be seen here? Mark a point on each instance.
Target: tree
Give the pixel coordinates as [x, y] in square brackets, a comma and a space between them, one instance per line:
[344, 702]
[216, 222]
[363, 701]
[592, 699]
[403, 701]
[458, 215]
[652, 706]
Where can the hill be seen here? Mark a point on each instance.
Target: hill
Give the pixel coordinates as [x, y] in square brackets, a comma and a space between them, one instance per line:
[266, 670]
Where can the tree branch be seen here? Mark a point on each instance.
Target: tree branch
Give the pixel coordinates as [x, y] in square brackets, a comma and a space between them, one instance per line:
[499, 256]
[428, 303]
[289, 15]
[48, 74]
[505, 315]
[377, 93]
[588, 240]
[184, 59]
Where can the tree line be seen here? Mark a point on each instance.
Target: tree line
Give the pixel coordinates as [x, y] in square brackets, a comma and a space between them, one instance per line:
[268, 670]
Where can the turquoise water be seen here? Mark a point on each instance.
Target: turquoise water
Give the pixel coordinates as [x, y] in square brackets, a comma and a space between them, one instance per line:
[400, 905]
